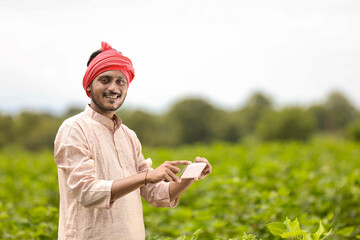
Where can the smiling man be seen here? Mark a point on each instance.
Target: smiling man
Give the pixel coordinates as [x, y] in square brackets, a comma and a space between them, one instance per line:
[102, 172]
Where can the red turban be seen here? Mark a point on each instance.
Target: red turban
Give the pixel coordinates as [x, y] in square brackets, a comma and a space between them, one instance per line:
[108, 59]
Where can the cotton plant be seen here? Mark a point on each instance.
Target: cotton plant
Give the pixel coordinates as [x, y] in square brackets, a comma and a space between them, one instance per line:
[249, 237]
[291, 229]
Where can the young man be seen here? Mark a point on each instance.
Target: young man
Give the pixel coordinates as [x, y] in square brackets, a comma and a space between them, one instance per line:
[102, 172]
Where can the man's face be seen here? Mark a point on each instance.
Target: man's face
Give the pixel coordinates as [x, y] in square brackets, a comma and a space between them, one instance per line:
[108, 91]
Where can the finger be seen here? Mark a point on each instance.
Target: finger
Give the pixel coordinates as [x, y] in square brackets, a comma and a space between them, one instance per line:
[200, 159]
[173, 177]
[167, 178]
[179, 162]
[173, 169]
[206, 161]
[205, 172]
[208, 168]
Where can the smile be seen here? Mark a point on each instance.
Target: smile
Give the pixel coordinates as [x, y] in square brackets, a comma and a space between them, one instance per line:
[112, 96]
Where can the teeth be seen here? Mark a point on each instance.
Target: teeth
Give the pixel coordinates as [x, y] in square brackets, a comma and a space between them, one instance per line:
[112, 97]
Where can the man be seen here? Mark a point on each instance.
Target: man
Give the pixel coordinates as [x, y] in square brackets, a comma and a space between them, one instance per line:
[102, 172]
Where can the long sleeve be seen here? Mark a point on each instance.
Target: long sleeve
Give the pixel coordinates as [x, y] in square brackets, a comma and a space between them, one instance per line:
[72, 156]
[158, 194]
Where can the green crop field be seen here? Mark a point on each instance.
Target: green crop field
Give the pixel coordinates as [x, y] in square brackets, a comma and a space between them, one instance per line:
[252, 184]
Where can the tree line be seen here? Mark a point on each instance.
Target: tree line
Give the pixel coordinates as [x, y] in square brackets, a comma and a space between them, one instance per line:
[195, 120]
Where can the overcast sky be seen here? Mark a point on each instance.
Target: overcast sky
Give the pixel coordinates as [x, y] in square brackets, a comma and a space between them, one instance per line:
[295, 51]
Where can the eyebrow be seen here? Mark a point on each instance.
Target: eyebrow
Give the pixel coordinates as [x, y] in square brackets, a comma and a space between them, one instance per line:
[109, 76]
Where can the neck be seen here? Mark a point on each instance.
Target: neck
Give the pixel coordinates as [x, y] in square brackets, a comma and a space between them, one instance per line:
[96, 108]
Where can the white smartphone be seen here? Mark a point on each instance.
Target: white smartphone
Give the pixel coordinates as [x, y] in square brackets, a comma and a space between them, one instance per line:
[193, 170]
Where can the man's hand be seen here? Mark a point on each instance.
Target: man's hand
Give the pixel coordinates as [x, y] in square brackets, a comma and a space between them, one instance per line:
[176, 189]
[166, 171]
[207, 169]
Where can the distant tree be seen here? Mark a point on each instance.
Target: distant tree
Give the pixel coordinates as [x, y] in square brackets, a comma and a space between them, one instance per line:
[289, 123]
[143, 123]
[227, 126]
[71, 111]
[259, 101]
[248, 117]
[188, 121]
[353, 129]
[27, 122]
[44, 135]
[338, 111]
[7, 130]
[36, 130]
[319, 114]
[167, 132]
[194, 119]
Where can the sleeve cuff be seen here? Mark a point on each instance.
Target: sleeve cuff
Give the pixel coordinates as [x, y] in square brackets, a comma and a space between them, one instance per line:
[108, 186]
[99, 196]
[174, 202]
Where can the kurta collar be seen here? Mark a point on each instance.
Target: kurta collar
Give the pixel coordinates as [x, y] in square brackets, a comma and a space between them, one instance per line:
[111, 124]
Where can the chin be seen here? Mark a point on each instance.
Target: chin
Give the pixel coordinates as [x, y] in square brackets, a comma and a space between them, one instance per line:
[114, 107]
[105, 105]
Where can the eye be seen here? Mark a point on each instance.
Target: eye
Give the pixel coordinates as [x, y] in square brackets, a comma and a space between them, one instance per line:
[121, 82]
[104, 79]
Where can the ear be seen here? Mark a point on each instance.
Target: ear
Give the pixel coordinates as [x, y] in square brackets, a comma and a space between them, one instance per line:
[88, 88]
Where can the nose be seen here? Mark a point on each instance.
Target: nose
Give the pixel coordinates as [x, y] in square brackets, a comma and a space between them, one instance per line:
[112, 86]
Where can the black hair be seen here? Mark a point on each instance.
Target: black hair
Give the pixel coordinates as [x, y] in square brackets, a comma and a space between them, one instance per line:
[94, 54]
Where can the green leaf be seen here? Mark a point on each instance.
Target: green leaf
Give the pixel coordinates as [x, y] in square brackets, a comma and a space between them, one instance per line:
[276, 228]
[307, 237]
[346, 231]
[326, 234]
[197, 233]
[292, 225]
[294, 234]
[248, 237]
[319, 232]
[330, 216]
[181, 238]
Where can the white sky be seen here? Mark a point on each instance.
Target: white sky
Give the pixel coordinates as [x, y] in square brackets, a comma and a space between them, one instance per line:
[295, 51]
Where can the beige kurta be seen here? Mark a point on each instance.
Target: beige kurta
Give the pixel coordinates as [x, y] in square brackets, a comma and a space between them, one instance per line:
[91, 151]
